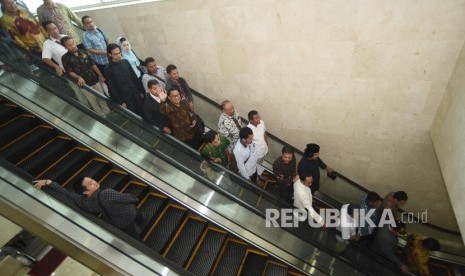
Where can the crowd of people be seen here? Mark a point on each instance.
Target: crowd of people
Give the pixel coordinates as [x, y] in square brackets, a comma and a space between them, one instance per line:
[164, 99]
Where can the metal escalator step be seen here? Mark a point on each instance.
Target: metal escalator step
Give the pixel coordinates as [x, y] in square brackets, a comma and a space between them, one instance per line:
[96, 168]
[64, 168]
[231, 258]
[150, 206]
[114, 179]
[275, 269]
[181, 247]
[293, 273]
[25, 145]
[42, 158]
[135, 188]
[163, 229]
[254, 263]
[15, 128]
[206, 252]
[7, 112]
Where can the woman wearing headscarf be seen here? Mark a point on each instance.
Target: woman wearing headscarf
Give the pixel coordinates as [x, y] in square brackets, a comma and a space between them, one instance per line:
[128, 54]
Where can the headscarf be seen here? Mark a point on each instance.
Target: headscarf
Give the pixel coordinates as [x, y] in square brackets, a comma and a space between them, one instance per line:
[129, 55]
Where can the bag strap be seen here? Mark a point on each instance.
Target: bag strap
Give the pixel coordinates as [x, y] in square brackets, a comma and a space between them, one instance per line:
[159, 78]
[250, 151]
[104, 36]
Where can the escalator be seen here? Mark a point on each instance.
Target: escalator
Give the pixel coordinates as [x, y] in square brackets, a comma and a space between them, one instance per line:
[251, 197]
[237, 212]
[170, 229]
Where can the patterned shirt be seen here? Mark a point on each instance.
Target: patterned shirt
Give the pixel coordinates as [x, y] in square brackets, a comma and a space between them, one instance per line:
[96, 40]
[184, 89]
[229, 128]
[80, 64]
[62, 16]
[179, 119]
[121, 208]
[24, 30]
[417, 255]
[217, 152]
[285, 173]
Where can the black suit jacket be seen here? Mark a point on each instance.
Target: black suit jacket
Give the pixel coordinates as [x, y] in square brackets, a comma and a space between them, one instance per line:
[152, 114]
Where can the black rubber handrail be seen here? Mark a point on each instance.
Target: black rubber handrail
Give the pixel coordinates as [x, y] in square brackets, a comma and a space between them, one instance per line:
[191, 173]
[110, 228]
[338, 174]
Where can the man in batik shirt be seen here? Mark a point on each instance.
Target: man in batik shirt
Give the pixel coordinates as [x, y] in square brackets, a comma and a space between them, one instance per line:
[22, 27]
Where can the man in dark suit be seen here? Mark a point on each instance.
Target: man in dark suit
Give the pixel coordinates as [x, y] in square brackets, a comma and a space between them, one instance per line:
[152, 114]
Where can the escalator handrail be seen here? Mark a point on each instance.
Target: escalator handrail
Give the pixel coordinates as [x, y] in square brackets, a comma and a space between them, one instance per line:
[24, 176]
[251, 208]
[161, 135]
[338, 174]
[141, 143]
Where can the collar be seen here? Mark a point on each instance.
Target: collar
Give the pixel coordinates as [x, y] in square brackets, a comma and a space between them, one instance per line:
[155, 97]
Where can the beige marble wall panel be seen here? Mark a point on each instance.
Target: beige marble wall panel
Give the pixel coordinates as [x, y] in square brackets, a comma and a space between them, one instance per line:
[362, 78]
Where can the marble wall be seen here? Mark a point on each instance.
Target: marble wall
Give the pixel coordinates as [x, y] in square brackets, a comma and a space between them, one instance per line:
[362, 78]
[448, 135]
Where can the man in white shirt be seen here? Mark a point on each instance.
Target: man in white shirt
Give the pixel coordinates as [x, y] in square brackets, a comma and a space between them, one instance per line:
[347, 228]
[53, 48]
[303, 197]
[244, 153]
[260, 138]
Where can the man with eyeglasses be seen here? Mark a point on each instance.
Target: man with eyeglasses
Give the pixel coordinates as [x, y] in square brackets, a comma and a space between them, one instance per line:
[116, 208]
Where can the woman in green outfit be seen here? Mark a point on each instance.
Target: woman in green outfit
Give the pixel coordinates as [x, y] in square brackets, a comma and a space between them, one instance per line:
[216, 148]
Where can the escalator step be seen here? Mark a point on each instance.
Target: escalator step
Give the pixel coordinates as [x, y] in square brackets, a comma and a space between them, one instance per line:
[70, 163]
[45, 156]
[207, 252]
[231, 258]
[275, 269]
[254, 264]
[150, 206]
[21, 148]
[165, 227]
[294, 273]
[8, 112]
[186, 240]
[115, 179]
[137, 189]
[15, 128]
[95, 168]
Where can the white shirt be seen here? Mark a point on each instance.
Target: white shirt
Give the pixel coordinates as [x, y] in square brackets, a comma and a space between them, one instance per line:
[303, 200]
[54, 50]
[261, 146]
[246, 159]
[347, 224]
[155, 98]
